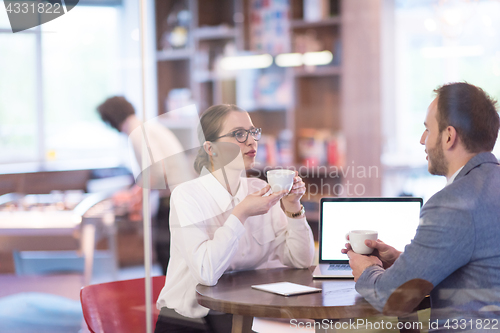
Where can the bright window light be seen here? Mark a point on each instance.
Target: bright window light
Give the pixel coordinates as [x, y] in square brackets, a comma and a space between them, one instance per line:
[317, 58]
[430, 25]
[289, 60]
[246, 62]
[452, 52]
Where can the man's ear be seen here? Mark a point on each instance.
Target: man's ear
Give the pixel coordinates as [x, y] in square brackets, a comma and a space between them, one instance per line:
[450, 137]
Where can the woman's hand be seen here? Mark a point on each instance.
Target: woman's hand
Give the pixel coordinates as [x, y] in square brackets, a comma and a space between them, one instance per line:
[257, 204]
[291, 202]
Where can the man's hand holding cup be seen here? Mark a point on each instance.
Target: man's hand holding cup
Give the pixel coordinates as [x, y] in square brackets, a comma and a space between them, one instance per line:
[357, 251]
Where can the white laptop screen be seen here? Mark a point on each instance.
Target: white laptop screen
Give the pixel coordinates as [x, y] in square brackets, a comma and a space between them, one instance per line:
[396, 221]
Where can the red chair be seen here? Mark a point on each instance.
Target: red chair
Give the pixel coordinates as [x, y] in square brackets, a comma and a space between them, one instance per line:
[119, 306]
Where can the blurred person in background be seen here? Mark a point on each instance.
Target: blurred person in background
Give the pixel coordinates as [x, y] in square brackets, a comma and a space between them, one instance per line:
[120, 114]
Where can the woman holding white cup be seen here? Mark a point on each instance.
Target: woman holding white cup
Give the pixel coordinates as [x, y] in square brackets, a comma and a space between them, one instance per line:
[222, 221]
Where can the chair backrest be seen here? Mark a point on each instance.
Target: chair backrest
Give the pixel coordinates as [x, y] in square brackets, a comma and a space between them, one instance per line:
[119, 306]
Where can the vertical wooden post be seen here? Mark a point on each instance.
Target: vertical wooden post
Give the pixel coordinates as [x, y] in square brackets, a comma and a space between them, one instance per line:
[361, 96]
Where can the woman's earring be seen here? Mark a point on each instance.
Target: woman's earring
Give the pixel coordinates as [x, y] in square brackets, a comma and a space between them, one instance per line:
[214, 154]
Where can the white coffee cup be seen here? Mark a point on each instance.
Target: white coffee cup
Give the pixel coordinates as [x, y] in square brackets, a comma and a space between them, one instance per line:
[357, 240]
[280, 179]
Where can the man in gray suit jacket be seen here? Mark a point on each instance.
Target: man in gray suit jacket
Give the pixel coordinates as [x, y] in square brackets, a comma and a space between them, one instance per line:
[455, 255]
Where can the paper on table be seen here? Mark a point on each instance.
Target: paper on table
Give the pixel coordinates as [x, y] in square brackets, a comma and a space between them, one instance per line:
[286, 288]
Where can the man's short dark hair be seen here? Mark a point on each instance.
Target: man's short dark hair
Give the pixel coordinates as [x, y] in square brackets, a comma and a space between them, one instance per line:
[471, 112]
[115, 110]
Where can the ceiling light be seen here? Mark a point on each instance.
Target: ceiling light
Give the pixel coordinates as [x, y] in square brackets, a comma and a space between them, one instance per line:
[289, 60]
[317, 58]
[246, 62]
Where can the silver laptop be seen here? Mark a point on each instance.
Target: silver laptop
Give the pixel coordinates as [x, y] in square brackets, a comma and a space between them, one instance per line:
[395, 219]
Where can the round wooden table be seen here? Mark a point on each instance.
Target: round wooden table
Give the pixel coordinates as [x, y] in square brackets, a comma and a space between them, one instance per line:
[233, 294]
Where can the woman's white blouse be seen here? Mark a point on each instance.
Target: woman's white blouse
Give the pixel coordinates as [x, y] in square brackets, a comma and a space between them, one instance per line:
[207, 240]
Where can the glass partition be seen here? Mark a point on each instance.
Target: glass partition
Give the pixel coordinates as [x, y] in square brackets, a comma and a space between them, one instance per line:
[339, 92]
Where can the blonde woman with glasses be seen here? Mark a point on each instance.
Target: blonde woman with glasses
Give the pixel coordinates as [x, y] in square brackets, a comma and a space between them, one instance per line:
[223, 221]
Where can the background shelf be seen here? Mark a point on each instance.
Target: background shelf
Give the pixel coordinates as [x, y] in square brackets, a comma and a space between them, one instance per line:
[301, 24]
[317, 71]
[182, 54]
[295, 106]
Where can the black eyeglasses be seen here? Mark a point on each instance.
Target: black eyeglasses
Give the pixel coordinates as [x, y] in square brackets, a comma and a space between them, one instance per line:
[241, 135]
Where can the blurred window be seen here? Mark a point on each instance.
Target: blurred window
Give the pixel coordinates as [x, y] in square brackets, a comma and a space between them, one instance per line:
[4, 19]
[18, 138]
[435, 42]
[53, 77]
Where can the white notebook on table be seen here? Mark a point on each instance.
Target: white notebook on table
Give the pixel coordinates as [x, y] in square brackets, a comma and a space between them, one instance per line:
[286, 288]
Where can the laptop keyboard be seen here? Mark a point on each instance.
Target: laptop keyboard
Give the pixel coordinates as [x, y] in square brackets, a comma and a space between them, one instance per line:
[337, 267]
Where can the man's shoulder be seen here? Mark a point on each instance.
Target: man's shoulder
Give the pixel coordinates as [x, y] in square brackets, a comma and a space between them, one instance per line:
[482, 166]
[480, 185]
[477, 182]
[452, 195]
